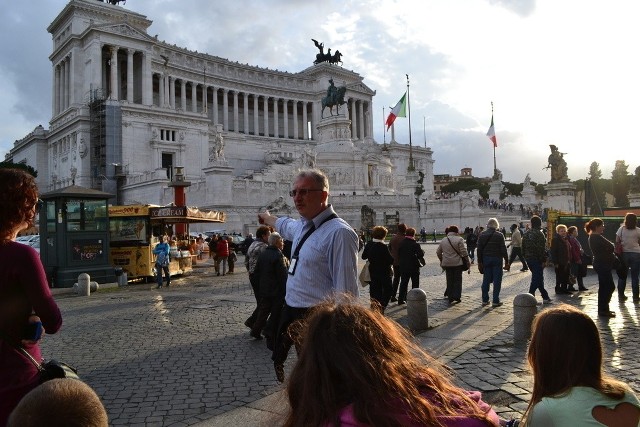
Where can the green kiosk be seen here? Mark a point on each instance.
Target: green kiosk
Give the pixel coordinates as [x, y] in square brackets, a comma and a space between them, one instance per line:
[74, 236]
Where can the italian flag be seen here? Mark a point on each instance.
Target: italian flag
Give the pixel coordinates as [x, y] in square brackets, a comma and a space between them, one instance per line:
[400, 110]
[491, 133]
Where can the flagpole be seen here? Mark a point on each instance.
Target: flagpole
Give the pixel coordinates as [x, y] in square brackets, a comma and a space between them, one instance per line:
[411, 168]
[424, 130]
[384, 133]
[495, 168]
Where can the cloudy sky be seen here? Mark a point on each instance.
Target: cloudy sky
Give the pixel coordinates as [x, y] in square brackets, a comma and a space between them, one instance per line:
[558, 72]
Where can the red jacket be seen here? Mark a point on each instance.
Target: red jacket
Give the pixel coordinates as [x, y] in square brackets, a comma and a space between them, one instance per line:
[222, 249]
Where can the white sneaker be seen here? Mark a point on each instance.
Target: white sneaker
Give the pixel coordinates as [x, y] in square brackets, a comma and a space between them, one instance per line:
[547, 301]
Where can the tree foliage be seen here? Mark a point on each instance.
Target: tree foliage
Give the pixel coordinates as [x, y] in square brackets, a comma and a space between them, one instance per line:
[595, 190]
[620, 183]
[467, 184]
[22, 166]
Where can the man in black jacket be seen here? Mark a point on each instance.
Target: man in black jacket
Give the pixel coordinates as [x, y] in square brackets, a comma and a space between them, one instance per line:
[271, 270]
[491, 251]
[411, 259]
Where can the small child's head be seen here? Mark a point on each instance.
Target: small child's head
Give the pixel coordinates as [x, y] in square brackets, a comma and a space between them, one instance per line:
[60, 402]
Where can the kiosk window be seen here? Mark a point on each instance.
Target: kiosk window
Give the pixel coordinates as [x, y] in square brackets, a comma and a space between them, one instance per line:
[86, 215]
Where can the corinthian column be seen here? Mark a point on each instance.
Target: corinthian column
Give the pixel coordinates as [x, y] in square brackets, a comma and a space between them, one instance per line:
[130, 75]
[114, 73]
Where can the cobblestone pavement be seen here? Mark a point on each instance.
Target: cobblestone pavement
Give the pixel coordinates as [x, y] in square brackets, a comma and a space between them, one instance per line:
[181, 355]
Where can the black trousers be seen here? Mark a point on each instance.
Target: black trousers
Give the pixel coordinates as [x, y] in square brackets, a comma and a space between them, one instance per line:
[284, 339]
[253, 279]
[404, 283]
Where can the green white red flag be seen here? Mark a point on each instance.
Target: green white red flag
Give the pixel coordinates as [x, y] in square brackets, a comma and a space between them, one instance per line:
[491, 133]
[400, 110]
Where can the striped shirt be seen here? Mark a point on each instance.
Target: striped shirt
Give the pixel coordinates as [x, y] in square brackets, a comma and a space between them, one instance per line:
[328, 260]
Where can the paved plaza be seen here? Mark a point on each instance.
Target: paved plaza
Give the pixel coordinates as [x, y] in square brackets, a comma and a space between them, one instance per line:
[181, 356]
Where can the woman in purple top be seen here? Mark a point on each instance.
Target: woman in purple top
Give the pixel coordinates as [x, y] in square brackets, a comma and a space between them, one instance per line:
[358, 368]
[24, 292]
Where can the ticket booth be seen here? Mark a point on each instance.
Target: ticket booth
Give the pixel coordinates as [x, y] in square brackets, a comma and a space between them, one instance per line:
[74, 236]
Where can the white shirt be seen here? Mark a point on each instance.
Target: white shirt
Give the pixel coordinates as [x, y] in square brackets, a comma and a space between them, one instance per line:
[327, 263]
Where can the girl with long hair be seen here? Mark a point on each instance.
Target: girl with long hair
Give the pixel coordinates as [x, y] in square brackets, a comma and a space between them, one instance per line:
[358, 368]
[572, 390]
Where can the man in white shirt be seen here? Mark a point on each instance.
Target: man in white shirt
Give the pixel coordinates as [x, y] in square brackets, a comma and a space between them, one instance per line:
[324, 260]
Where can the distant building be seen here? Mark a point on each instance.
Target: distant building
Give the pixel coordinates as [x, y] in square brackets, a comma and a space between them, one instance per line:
[128, 108]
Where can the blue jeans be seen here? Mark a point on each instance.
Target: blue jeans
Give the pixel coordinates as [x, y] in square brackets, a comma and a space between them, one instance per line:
[537, 278]
[160, 269]
[492, 274]
[632, 260]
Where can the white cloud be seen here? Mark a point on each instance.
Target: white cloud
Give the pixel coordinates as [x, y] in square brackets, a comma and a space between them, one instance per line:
[560, 73]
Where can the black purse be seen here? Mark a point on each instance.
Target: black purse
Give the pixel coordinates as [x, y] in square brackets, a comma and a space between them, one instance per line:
[47, 370]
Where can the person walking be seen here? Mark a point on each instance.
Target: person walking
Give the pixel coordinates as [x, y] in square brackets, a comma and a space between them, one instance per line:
[534, 246]
[162, 251]
[472, 243]
[578, 265]
[324, 259]
[604, 260]
[628, 235]
[411, 259]
[271, 269]
[561, 256]
[380, 269]
[491, 251]
[250, 261]
[25, 298]
[454, 260]
[222, 252]
[394, 245]
[516, 247]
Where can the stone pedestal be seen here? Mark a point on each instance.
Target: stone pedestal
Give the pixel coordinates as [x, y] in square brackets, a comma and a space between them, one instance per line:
[561, 196]
[219, 177]
[495, 189]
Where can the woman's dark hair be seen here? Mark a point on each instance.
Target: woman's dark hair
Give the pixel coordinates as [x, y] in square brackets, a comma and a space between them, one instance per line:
[536, 222]
[452, 229]
[630, 221]
[593, 224]
[19, 196]
[351, 355]
[402, 227]
[262, 231]
[570, 332]
[410, 232]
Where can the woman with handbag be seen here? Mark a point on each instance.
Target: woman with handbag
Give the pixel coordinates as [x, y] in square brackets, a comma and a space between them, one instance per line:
[25, 299]
[380, 268]
[604, 261]
[454, 259]
[628, 239]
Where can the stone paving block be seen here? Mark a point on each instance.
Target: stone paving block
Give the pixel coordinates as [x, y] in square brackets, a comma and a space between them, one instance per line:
[205, 356]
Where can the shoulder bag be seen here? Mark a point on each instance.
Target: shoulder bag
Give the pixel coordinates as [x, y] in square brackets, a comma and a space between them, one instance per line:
[617, 249]
[364, 277]
[47, 370]
[465, 264]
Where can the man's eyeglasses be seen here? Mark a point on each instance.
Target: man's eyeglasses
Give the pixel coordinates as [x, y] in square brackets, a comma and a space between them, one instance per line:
[302, 192]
